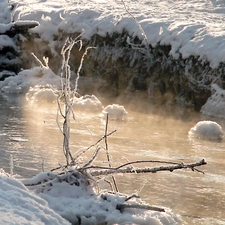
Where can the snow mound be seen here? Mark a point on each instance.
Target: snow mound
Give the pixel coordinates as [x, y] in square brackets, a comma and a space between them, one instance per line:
[71, 195]
[5, 14]
[215, 105]
[88, 103]
[12, 88]
[206, 130]
[18, 206]
[115, 112]
[31, 77]
[43, 94]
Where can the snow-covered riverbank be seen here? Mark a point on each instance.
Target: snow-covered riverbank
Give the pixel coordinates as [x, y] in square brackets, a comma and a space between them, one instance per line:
[180, 37]
[184, 55]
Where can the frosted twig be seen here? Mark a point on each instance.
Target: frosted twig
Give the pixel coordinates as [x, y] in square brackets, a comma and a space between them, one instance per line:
[142, 186]
[107, 181]
[11, 165]
[92, 158]
[85, 150]
[149, 170]
[138, 24]
[39, 61]
[132, 196]
[79, 68]
[42, 165]
[107, 151]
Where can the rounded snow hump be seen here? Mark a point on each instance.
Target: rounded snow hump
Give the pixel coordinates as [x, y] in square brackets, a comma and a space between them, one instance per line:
[208, 130]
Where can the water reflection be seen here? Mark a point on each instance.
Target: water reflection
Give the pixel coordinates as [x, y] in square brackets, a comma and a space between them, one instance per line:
[32, 136]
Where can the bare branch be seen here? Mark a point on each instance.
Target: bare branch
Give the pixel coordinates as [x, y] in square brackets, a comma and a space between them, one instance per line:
[107, 151]
[139, 206]
[85, 150]
[93, 157]
[149, 170]
[145, 161]
[132, 196]
[136, 21]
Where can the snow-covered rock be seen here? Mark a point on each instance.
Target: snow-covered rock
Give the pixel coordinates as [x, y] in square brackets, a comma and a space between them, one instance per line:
[209, 130]
[12, 88]
[115, 112]
[215, 105]
[42, 94]
[87, 103]
[31, 77]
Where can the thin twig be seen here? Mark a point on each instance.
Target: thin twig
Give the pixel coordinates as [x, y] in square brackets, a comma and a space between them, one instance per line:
[85, 150]
[132, 196]
[107, 151]
[138, 24]
[107, 181]
[92, 158]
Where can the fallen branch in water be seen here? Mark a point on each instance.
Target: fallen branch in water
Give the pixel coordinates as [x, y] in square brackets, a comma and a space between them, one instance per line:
[149, 170]
[82, 172]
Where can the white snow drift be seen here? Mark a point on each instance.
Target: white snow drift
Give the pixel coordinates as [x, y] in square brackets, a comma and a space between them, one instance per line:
[18, 206]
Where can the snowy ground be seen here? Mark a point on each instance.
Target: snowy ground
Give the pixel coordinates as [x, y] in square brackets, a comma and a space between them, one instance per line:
[190, 27]
[20, 206]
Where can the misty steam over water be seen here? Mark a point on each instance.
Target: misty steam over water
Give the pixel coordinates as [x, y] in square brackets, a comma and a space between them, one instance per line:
[31, 136]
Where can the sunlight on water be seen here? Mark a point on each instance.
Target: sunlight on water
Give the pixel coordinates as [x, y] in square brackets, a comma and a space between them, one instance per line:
[31, 135]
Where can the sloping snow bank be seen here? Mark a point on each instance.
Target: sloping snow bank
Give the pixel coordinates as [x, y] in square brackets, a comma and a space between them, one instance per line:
[185, 43]
[193, 29]
[18, 206]
[72, 196]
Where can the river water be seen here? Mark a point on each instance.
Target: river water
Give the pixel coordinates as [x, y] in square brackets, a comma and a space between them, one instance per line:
[31, 137]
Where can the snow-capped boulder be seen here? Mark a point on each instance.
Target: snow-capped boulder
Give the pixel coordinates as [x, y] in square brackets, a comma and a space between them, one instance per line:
[87, 103]
[115, 112]
[42, 94]
[12, 88]
[209, 130]
[215, 105]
